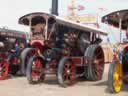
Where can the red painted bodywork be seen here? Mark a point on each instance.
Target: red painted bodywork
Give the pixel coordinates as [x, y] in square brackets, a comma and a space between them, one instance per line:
[15, 61]
[77, 60]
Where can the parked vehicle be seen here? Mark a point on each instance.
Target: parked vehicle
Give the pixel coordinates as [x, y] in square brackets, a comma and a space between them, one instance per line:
[68, 49]
[118, 70]
[12, 42]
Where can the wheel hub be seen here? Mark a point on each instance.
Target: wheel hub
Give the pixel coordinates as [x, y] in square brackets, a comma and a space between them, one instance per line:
[116, 77]
[0, 69]
[68, 71]
[0, 73]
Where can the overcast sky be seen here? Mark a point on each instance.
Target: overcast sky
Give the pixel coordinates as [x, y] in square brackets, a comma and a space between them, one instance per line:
[12, 10]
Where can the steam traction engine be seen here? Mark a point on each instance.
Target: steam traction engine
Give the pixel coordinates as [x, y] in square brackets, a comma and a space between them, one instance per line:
[36, 40]
[68, 49]
[9, 57]
[118, 70]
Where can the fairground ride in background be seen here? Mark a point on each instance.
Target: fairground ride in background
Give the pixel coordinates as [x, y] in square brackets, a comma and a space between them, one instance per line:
[88, 19]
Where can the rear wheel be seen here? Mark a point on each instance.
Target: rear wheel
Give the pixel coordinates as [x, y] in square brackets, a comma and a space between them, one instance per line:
[124, 58]
[95, 67]
[25, 55]
[115, 81]
[35, 70]
[3, 70]
[66, 72]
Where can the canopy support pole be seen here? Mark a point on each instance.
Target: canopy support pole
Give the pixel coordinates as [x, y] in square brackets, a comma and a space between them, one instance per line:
[120, 24]
[30, 25]
[46, 30]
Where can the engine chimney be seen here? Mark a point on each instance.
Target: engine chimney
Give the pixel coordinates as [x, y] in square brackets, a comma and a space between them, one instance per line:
[54, 7]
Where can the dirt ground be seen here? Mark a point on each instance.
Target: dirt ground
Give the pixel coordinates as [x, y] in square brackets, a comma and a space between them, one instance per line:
[19, 86]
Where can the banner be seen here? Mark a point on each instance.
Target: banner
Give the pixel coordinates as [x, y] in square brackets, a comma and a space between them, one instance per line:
[89, 19]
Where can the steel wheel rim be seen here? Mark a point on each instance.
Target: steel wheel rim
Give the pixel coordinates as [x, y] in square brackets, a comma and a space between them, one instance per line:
[98, 63]
[117, 78]
[3, 70]
[37, 70]
[69, 74]
[31, 53]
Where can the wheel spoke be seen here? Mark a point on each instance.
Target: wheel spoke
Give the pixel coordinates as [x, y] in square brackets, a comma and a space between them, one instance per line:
[98, 54]
[33, 74]
[66, 69]
[98, 61]
[37, 70]
[67, 64]
[98, 73]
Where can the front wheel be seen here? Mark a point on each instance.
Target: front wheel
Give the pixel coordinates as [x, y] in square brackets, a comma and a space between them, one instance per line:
[115, 81]
[35, 70]
[66, 72]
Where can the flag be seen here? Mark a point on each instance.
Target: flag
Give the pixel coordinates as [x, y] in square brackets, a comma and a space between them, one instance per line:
[80, 7]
